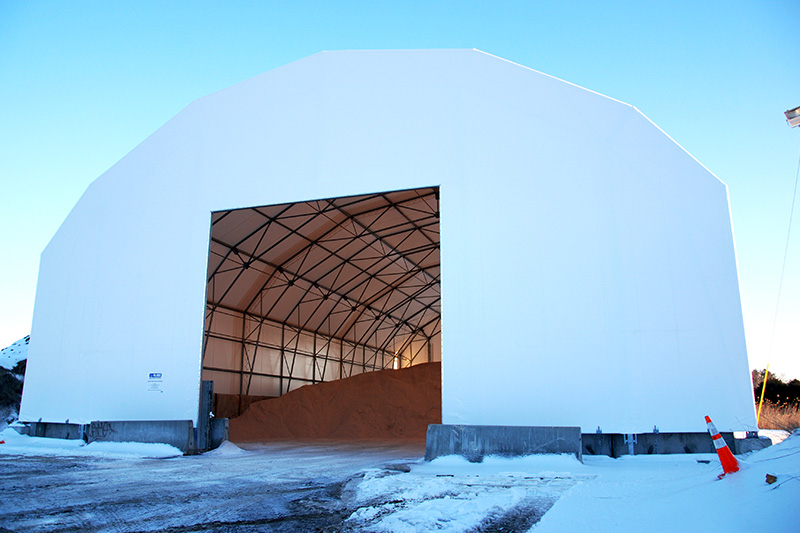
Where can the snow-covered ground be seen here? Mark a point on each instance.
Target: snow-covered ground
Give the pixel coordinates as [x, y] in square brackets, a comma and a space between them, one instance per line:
[11, 355]
[51, 485]
[16, 444]
[678, 493]
[652, 492]
[452, 494]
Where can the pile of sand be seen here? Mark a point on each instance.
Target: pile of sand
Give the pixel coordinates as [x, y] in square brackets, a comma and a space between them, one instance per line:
[386, 405]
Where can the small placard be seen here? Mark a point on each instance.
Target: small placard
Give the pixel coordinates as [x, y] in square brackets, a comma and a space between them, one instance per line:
[154, 382]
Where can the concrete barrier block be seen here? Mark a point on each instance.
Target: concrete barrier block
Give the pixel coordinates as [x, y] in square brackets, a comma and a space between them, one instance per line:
[741, 446]
[476, 442]
[616, 445]
[54, 430]
[178, 433]
[668, 443]
[219, 431]
[597, 444]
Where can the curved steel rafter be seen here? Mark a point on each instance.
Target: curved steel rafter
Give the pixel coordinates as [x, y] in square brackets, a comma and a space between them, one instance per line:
[356, 277]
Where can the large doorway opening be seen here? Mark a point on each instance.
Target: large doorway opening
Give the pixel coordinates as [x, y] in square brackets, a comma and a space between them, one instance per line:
[316, 291]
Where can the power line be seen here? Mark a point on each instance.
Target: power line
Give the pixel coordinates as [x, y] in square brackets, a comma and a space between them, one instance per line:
[785, 253]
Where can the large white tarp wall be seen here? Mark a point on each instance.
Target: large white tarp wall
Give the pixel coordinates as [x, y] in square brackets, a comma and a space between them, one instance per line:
[588, 267]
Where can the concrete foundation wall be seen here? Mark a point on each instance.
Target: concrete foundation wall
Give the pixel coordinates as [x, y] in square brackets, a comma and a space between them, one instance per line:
[741, 446]
[54, 430]
[178, 433]
[616, 445]
[219, 431]
[475, 442]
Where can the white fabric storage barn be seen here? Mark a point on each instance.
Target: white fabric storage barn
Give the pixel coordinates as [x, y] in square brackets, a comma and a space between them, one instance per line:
[568, 262]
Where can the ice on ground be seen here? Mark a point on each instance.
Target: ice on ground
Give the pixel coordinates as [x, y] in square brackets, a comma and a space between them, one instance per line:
[356, 487]
[452, 494]
[16, 444]
[457, 512]
[632, 493]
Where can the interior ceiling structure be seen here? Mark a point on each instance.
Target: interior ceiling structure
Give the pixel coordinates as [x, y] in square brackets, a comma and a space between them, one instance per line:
[364, 269]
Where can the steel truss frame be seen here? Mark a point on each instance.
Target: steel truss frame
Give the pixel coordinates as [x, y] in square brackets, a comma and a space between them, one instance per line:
[320, 290]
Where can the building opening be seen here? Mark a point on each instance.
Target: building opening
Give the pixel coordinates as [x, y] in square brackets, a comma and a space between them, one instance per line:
[317, 291]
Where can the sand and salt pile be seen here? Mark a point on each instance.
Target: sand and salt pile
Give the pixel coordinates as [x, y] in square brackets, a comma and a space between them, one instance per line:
[387, 405]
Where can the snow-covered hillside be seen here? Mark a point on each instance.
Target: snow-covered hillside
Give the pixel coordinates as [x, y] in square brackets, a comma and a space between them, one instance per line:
[15, 353]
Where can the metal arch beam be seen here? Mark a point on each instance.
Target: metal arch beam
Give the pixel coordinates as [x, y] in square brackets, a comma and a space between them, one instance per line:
[310, 283]
[304, 324]
[435, 213]
[388, 287]
[286, 207]
[336, 225]
[394, 257]
[419, 329]
[380, 318]
[369, 230]
[310, 242]
[398, 255]
[369, 275]
[265, 226]
[306, 248]
[240, 241]
[233, 249]
[387, 253]
[377, 296]
[414, 330]
[367, 272]
[255, 316]
[245, 265]
[398, 322]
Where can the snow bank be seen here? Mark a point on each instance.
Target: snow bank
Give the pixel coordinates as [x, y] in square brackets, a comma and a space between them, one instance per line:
[775, 435]
[16, 444]
[632, 493]
[11, 355]
[452, 494]
[682, 494]
[456, 512]
[226, 449]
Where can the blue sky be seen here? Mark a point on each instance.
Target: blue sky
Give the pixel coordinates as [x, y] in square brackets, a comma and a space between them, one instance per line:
[82, 83]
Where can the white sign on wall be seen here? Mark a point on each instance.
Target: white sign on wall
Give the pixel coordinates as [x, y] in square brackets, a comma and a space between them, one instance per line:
[155, 382]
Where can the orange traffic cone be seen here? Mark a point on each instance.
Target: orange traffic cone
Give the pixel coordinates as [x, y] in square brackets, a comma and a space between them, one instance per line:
[729, 462]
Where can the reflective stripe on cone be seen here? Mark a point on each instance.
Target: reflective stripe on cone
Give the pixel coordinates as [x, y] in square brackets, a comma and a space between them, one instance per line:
[726, 458]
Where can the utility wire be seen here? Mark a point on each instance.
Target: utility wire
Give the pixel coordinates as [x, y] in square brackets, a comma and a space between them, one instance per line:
[785, 253]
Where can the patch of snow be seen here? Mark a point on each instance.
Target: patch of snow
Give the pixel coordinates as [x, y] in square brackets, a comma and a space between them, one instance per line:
[8, 416]
[16, 444]
[681, 494]
[452, 494]
[226, 449]
[387, 490]
[775, 435]
[11, 355]
[456, 512]
[677, 492]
